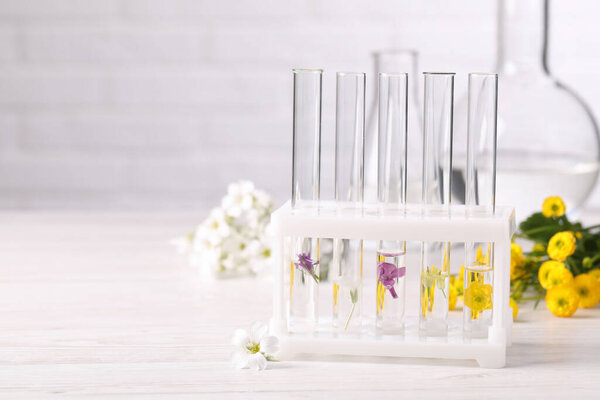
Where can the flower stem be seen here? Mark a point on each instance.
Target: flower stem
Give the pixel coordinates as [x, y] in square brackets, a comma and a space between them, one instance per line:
[589, 228]
[540, 229]
[349, 316]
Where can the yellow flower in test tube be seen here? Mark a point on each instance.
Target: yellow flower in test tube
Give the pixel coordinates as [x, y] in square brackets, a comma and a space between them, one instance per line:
[562, 301]
[561, 245]
[553, 207]
[478, 297]
[588, 290]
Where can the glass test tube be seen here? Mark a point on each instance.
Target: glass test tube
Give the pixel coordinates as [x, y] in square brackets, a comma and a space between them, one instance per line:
[480, 191]
[349, 191]
[391, 191]
[437, 181]
[303, 275]
[389, 61]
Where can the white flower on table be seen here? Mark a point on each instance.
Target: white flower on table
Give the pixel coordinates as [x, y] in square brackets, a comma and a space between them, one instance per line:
[254, 348]
[239, 198]
[235, 238]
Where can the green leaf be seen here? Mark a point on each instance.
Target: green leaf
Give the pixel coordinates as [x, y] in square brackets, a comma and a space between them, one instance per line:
[354, 296]
[540, 229]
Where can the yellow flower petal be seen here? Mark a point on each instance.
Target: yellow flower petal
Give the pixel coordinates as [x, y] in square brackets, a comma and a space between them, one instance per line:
[538, 247]
[559, 276]
[516, 258]
[452, 298]
[595, 273]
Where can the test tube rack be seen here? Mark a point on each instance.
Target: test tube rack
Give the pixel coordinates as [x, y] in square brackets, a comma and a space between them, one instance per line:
[412, 222]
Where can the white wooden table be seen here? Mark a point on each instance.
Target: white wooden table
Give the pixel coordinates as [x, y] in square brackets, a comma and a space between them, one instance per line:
[101, 306]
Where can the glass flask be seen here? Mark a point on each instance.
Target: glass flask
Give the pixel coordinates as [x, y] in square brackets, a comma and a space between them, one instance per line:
[347, 260]
[303, 274]
[395, 61]
[548, 140]
[437, 190]
[391, 191]
[480, 201]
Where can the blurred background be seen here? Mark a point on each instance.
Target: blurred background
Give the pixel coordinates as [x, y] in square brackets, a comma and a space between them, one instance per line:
[159, 104]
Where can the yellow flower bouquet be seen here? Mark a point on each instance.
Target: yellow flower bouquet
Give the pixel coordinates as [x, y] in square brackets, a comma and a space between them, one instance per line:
[563, 266]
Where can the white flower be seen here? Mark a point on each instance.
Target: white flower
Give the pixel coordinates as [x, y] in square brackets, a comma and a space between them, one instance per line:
[217, 223]
[254, 348]
[235, 238]
[260, 252]
[239, 198]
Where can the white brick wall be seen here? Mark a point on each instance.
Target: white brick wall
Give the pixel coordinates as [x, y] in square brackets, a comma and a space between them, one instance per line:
[158, 104]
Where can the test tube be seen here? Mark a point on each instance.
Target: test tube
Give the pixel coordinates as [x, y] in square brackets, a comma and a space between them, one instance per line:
[391, 192]
[347, 260]
[437, 181]
[303, 274]
[480, 192]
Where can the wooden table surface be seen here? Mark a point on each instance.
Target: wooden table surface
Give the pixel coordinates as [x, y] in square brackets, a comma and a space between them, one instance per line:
[99, 305]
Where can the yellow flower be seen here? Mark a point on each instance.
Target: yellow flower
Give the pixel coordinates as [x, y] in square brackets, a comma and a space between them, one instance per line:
[478, 297]
[561, 245]
[516, 257]
[562, 301]
[553, 207]
[595, 273]
[514, 306]
[544, 272]
[480, 259]
[558, 277]
[452, 298]
[578, 235]
[588, 290]
[538, 247]
[457, 281]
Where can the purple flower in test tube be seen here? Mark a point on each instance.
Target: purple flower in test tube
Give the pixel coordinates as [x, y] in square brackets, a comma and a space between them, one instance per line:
[387, 273]
[306, 264]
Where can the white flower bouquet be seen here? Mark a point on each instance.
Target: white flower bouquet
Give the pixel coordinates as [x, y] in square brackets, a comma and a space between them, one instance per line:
[235, 238]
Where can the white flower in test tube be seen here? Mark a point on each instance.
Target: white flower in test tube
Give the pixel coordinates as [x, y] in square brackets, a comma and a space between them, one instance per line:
[254, 347]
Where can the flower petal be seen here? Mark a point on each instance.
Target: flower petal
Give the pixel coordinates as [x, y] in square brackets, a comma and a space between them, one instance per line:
[257, 361]
[269, 345]
[257, 331]
[240, 338]
[240, 359]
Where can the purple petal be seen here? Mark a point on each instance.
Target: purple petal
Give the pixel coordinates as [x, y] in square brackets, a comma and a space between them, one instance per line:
[388, 283]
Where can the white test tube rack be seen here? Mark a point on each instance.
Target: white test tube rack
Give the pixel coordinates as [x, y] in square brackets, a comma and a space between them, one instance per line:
[372, 222]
